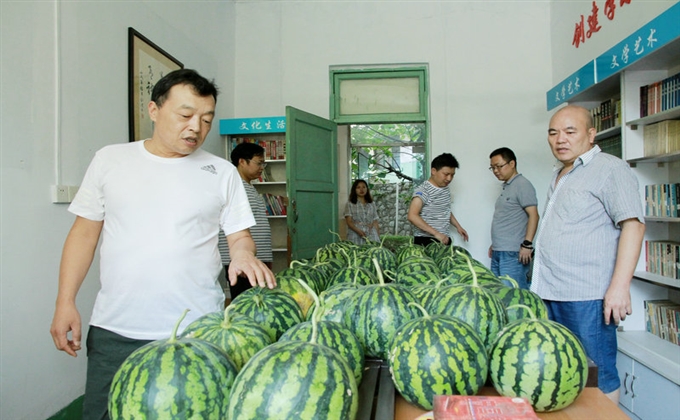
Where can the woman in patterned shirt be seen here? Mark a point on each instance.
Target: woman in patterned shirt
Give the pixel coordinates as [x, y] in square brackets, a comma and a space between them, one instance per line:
[361, 215]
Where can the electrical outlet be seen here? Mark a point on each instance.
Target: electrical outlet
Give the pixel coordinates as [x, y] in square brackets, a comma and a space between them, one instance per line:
[60, 194]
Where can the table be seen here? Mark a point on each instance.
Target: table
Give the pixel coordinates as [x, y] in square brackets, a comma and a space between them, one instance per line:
[591, 404]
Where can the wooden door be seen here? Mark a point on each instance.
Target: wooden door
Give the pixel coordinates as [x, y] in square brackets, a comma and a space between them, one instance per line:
[312, 176]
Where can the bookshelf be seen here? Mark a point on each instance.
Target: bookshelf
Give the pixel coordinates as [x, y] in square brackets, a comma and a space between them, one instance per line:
[649, 367]
[268, 132]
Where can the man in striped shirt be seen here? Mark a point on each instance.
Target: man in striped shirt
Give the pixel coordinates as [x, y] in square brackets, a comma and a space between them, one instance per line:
[430, 209]
[249, 161]
[588, 241]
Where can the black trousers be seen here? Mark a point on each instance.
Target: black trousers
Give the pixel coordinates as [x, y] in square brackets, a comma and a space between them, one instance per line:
[106, 352]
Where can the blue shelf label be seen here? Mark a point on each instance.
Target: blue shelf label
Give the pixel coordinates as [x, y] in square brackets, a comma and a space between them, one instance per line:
[571, 86]
[260, 125]
[654, 35]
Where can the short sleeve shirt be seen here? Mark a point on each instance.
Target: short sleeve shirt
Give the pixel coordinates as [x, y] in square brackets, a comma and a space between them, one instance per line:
[577, 239]
[436, 210]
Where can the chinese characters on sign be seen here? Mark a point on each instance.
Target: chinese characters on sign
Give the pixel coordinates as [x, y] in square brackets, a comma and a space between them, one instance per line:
[253, 125]
[581, 33]
[572, 86]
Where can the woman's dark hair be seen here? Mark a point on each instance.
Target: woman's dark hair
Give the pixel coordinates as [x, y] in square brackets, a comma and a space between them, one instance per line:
[353, 192]
[202, 86]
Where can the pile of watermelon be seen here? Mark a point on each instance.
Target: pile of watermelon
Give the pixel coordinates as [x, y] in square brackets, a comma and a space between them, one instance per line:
[441, 320]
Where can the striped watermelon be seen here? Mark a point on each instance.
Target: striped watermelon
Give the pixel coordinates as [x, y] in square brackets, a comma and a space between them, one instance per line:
[352, 275]
[331, 334]
[514, 297]
[183, 378]
[540, 360]
[375, 312]
[274, 309]
[237, 335]
[417, 270]
[409, 251]
[478, 307]
[436, 355]
[386, 258]
[295, 380]
[332, 302]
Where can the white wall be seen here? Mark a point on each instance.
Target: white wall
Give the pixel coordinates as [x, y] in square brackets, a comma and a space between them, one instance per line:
[91, 99]
[627, 19]
[489, 67]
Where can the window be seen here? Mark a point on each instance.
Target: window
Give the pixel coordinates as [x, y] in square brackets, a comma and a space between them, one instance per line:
[386, 112]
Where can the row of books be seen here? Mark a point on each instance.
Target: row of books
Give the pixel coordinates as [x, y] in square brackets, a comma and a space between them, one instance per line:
[660, 96]
[662, 138]
[275, 204]
[662, 318]
[611, 145]
[663, 258]
[273, 149]
[266, 176]
[607, 115]
[661, 200]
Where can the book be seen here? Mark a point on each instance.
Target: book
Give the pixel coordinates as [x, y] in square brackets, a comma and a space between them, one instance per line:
[480, 407]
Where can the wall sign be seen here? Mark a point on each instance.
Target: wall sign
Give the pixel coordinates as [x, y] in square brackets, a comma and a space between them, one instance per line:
[253, 125]
[657, 33]
[579, 81]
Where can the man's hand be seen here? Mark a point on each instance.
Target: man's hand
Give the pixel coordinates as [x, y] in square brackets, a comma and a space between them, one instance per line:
[525, 255]
[247, 265]
[616, 304]
[66, 319]
[463, 233]
[442, 238]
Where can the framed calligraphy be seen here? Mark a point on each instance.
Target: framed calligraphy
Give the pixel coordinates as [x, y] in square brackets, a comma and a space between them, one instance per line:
[147, 63]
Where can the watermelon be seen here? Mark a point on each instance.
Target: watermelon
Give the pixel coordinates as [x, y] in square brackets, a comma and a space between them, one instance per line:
[332, 302]
[409, 251]
[273, 309]
[352, 275]
[177, 378]
[417, 270]
[333, 335]
[295, 380]
[375, 312]
[237, 335]
[436, 355]
[516, 300]
[540, 360]
[478, 307]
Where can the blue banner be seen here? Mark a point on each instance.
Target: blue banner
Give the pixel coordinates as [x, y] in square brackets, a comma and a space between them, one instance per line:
[571, 86]
[260, 125]
[654, 35]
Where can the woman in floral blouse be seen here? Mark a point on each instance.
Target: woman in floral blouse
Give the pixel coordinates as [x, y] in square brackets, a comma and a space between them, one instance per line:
[361, 215]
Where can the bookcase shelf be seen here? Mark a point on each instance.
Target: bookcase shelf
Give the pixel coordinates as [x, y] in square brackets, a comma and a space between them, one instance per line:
[669, 114]
[665, 158]
[608, 133]
[658, 280]
[657, 354]
[268, 132]
[662, 219]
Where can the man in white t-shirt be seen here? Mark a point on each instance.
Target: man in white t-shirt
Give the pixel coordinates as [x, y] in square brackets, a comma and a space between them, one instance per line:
[430, 208]
[157, 205]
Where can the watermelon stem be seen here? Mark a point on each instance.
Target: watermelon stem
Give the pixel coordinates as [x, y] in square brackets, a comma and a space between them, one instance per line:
[423, 310]
[317, 308]
[514, 283]
[532, 315]
[335, 234]
[173, 336]
[227, 317]
[472, 269]
[379, 271]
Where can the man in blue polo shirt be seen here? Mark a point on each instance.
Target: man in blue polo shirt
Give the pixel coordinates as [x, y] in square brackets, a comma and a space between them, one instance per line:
[588, 241]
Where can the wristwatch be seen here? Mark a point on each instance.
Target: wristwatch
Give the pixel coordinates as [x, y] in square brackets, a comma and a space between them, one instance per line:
[527, 244]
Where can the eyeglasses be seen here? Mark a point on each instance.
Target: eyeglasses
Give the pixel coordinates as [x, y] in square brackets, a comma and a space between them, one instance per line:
[497, 167]
[260, 164]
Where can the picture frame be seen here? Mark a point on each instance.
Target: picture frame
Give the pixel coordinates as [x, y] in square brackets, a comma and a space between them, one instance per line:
[147, 63]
